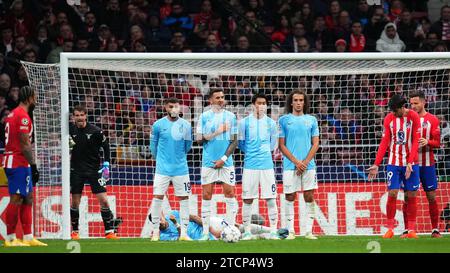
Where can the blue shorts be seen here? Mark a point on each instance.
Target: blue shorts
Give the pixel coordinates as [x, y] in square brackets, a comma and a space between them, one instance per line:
[19, 181]
[428, 178]
[397, 180]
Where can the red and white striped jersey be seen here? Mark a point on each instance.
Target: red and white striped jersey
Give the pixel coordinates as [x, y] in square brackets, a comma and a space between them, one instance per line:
[431, 132]
[401, 136]
[17, 122]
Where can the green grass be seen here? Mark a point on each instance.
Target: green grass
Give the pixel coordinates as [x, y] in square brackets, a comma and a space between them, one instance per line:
[325, 244]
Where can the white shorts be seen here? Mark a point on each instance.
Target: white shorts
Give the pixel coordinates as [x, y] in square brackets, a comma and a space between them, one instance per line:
[181, 184]
[294, 183]
[252, 179]
[224, 174]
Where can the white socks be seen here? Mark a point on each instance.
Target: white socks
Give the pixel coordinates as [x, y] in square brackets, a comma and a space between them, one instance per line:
[246, 216]
[273, 213]
[206, 214]
[184, 216]
[310, 213]
[231, 210]
[156, 214]
[290, 215]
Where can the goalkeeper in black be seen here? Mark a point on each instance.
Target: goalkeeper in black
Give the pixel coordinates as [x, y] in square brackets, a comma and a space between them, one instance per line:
[86, 143]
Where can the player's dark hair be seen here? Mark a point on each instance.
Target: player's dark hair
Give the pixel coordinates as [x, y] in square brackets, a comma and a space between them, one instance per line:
[212, 91]
[25, 93]
[171, 100]
[396, 102]
[259, 96]
[290, 97]
[80, 108]
[419, 94]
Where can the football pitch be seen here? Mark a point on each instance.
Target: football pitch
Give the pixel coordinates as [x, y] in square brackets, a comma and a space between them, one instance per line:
[325, 244]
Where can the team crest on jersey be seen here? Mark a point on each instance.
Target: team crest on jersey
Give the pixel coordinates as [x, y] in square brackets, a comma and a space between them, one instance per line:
[400, 137]
[25, 121]
[408, 124]
[88, 136]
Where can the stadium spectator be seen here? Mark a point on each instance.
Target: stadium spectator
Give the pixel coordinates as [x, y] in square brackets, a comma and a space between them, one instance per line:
[408, 31]
[29, 55]
[442, 26]
[115, 19]
[357, 41]
[375, 27]
[431, 41]
[13, 97]
[395, 10]
[291, 42]
[303, 45]
[361, 14]
[53, 56]
[346, 127]
[7, 39]
[341, 45]
[20, 20]
[179, 20]
[282, 29]
[42, 42]
[212, 45]
[332, 18]
[389, 40]
[344, 26]
[5, 84]
[205, 14]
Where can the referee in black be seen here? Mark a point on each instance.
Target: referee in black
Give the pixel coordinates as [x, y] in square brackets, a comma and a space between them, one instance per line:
[87, 141]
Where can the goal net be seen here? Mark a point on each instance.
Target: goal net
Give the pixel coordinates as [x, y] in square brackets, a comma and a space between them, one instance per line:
[124, 96]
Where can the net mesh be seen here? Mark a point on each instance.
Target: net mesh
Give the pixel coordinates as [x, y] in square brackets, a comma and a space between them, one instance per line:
[349, 98]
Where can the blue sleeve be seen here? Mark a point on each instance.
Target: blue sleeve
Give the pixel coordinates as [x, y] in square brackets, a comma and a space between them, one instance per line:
[315, 128]
[154, 140]
[188, 138]
[199, 129]
[234, 128]
[273, 135]
[241, 135]
[282, 133]
[169, 21]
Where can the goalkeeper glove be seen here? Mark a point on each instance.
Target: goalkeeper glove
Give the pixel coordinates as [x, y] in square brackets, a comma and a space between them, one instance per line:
[34, 174]
[105, 173]
[71, 143]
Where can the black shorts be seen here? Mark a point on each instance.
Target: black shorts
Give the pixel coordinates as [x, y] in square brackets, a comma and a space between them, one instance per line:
[77, 182]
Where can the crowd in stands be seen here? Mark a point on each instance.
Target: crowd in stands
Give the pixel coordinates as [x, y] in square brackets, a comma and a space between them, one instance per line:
[126, 105]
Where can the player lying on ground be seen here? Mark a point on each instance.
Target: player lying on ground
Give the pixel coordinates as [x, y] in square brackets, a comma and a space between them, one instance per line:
[21, 170]
[170, 228]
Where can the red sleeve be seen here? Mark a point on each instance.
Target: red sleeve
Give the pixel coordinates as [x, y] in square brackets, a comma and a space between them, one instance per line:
[435, 136]
[415, 135]
[385, 140]
[24, 124]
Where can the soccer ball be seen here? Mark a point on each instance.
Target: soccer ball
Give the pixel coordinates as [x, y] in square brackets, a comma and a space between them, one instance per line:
[230, 234]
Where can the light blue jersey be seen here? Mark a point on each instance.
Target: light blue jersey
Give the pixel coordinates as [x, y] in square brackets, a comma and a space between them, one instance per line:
[257, 139]
[194, 230]
[169, 144]
[298, 132]
[215, 148]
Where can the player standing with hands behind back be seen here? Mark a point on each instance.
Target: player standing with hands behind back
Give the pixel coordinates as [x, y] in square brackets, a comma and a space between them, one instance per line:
[430, 138]
[217, 132]
[21, 170]
[299, 142]
[401, 135]
[171, 141]
[86, 141]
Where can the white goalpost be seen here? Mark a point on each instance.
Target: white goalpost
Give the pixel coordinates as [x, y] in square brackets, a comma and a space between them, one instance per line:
[123, 93]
